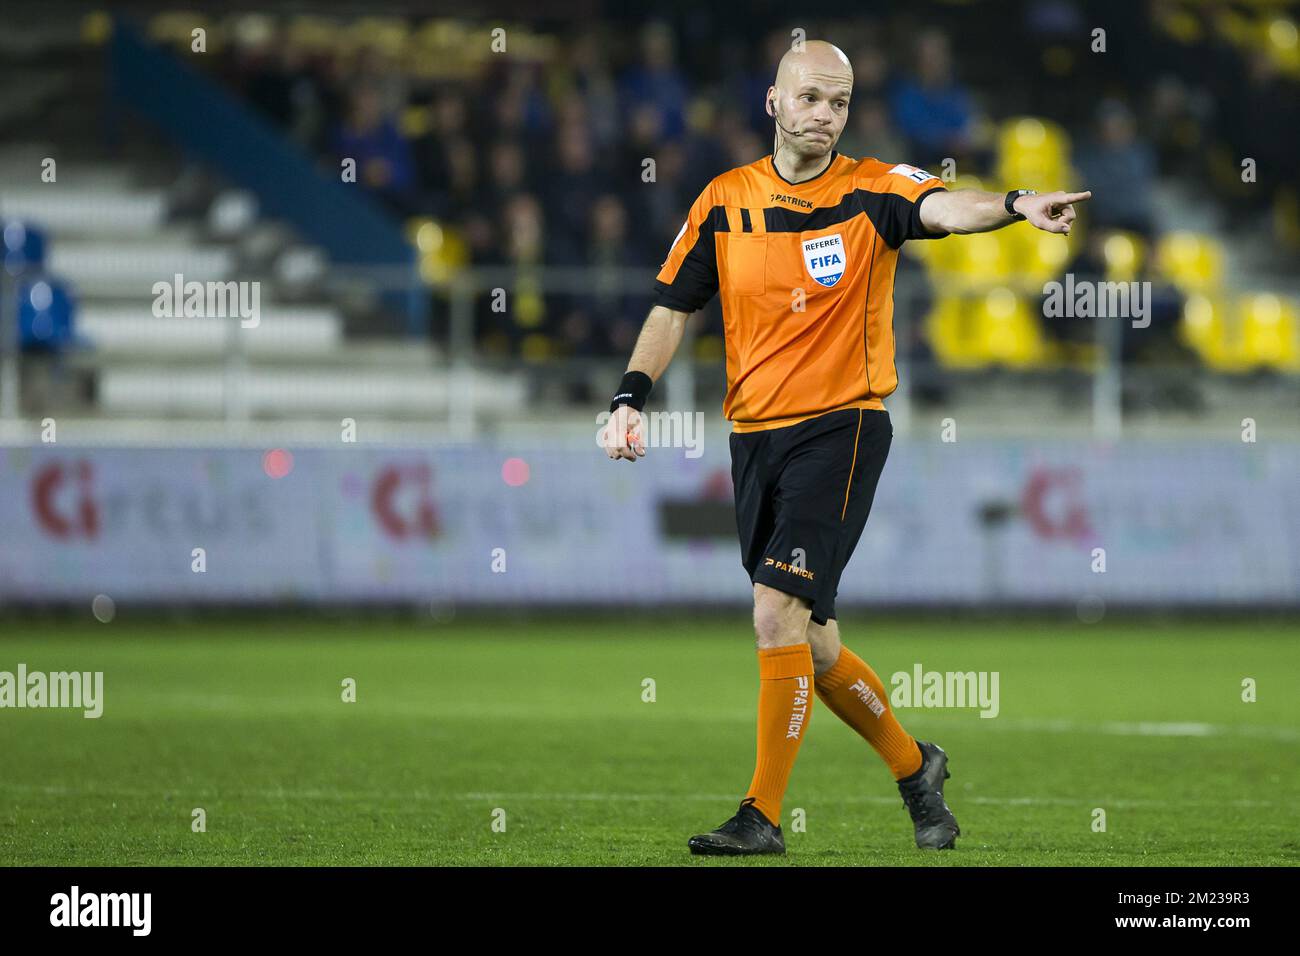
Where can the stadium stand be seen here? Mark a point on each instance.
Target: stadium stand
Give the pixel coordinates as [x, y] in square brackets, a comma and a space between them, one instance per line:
[541, 185]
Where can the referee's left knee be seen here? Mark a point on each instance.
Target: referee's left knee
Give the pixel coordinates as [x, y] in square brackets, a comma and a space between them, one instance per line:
[824, 639]
[780, 619]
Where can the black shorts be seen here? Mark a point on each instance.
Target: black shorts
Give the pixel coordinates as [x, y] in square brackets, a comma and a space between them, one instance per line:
[803, 493]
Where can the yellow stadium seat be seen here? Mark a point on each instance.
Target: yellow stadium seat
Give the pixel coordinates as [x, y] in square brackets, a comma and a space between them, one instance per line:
[528, 304]
[1033, 150]
[1182, 25]
[536, 347]
[998, 327]
[416, 121]
[1270, 334]
[937, 256]
[1286, 217]
[950, 330]
[96, 28]
[1212, 333]
[974, 262]
[1037, 256]
[314, 34]
[388, 35]
[178, 29]
[1125, 254]
[1192, 261]
[442, 250]
[1008, 333]
[424, 233]
[1280, 38]
[1233, 25]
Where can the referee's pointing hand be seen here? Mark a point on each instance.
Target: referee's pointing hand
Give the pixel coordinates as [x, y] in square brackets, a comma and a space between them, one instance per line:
[1051, 212]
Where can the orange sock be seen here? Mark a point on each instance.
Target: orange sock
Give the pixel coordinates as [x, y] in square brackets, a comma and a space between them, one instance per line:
[853, 691]
[785, 684]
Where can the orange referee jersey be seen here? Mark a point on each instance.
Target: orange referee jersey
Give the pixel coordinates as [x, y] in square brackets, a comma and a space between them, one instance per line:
[806, 275]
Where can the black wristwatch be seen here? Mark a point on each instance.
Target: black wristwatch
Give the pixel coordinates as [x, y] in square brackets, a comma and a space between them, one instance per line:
[1010, 201]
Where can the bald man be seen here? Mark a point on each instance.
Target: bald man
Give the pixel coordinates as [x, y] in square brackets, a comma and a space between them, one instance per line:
[802, 246]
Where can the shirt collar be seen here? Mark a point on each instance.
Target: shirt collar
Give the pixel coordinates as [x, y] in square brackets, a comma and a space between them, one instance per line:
[771, 160]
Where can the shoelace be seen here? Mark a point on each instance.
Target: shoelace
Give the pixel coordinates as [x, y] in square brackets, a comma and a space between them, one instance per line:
[741, 821]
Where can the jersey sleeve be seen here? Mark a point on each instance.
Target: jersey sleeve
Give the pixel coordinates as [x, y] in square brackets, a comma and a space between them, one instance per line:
[899, 217]
[689, 276]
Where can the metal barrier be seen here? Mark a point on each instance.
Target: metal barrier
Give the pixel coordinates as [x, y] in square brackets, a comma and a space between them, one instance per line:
[446, 315]
[680, 381]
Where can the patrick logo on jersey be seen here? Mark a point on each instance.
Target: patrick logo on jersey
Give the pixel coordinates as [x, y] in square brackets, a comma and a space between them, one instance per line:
[824, 258]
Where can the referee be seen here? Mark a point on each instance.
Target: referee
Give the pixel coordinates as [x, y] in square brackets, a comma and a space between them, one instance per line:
[802, 246]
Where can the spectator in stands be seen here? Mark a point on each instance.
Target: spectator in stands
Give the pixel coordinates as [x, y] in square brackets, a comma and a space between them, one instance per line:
[574, 181]
[482, 222]
[590, 317]
[1121, 171]
[507, 175]
[1077, 332]
[1260, 121]
[1176, 125]
[521, 107]
[374, 69]
[589, 72]
[657, 81]
[538, 157]
[607, 317]
[522, 248]
[612, 242]
[870, 134]
[268, 83]
[931, 109]
[382, 154]
[1154, 343]
[642, 137]
[870, 72]
[749, 76]
[744, 146]
[656, 204]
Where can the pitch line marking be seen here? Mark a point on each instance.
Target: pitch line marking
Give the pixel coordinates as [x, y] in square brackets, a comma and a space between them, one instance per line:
[591, 797]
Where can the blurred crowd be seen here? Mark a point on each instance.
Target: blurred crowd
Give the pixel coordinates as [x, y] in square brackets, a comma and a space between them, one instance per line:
[542, 160]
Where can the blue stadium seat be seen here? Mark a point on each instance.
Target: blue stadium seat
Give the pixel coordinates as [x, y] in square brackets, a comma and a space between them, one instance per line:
[45, 311]
[24, 246]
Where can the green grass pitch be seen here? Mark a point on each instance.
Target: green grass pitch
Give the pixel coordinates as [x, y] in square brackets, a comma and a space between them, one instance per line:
[544, 719]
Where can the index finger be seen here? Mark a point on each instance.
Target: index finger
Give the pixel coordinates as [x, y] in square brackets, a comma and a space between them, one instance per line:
[1077, 197]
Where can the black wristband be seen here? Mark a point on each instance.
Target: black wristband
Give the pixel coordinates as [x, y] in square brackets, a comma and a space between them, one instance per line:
[633, 390]
[1010, 202]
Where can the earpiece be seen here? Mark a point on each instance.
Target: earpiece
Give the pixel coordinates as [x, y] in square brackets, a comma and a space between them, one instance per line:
[771, 104]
